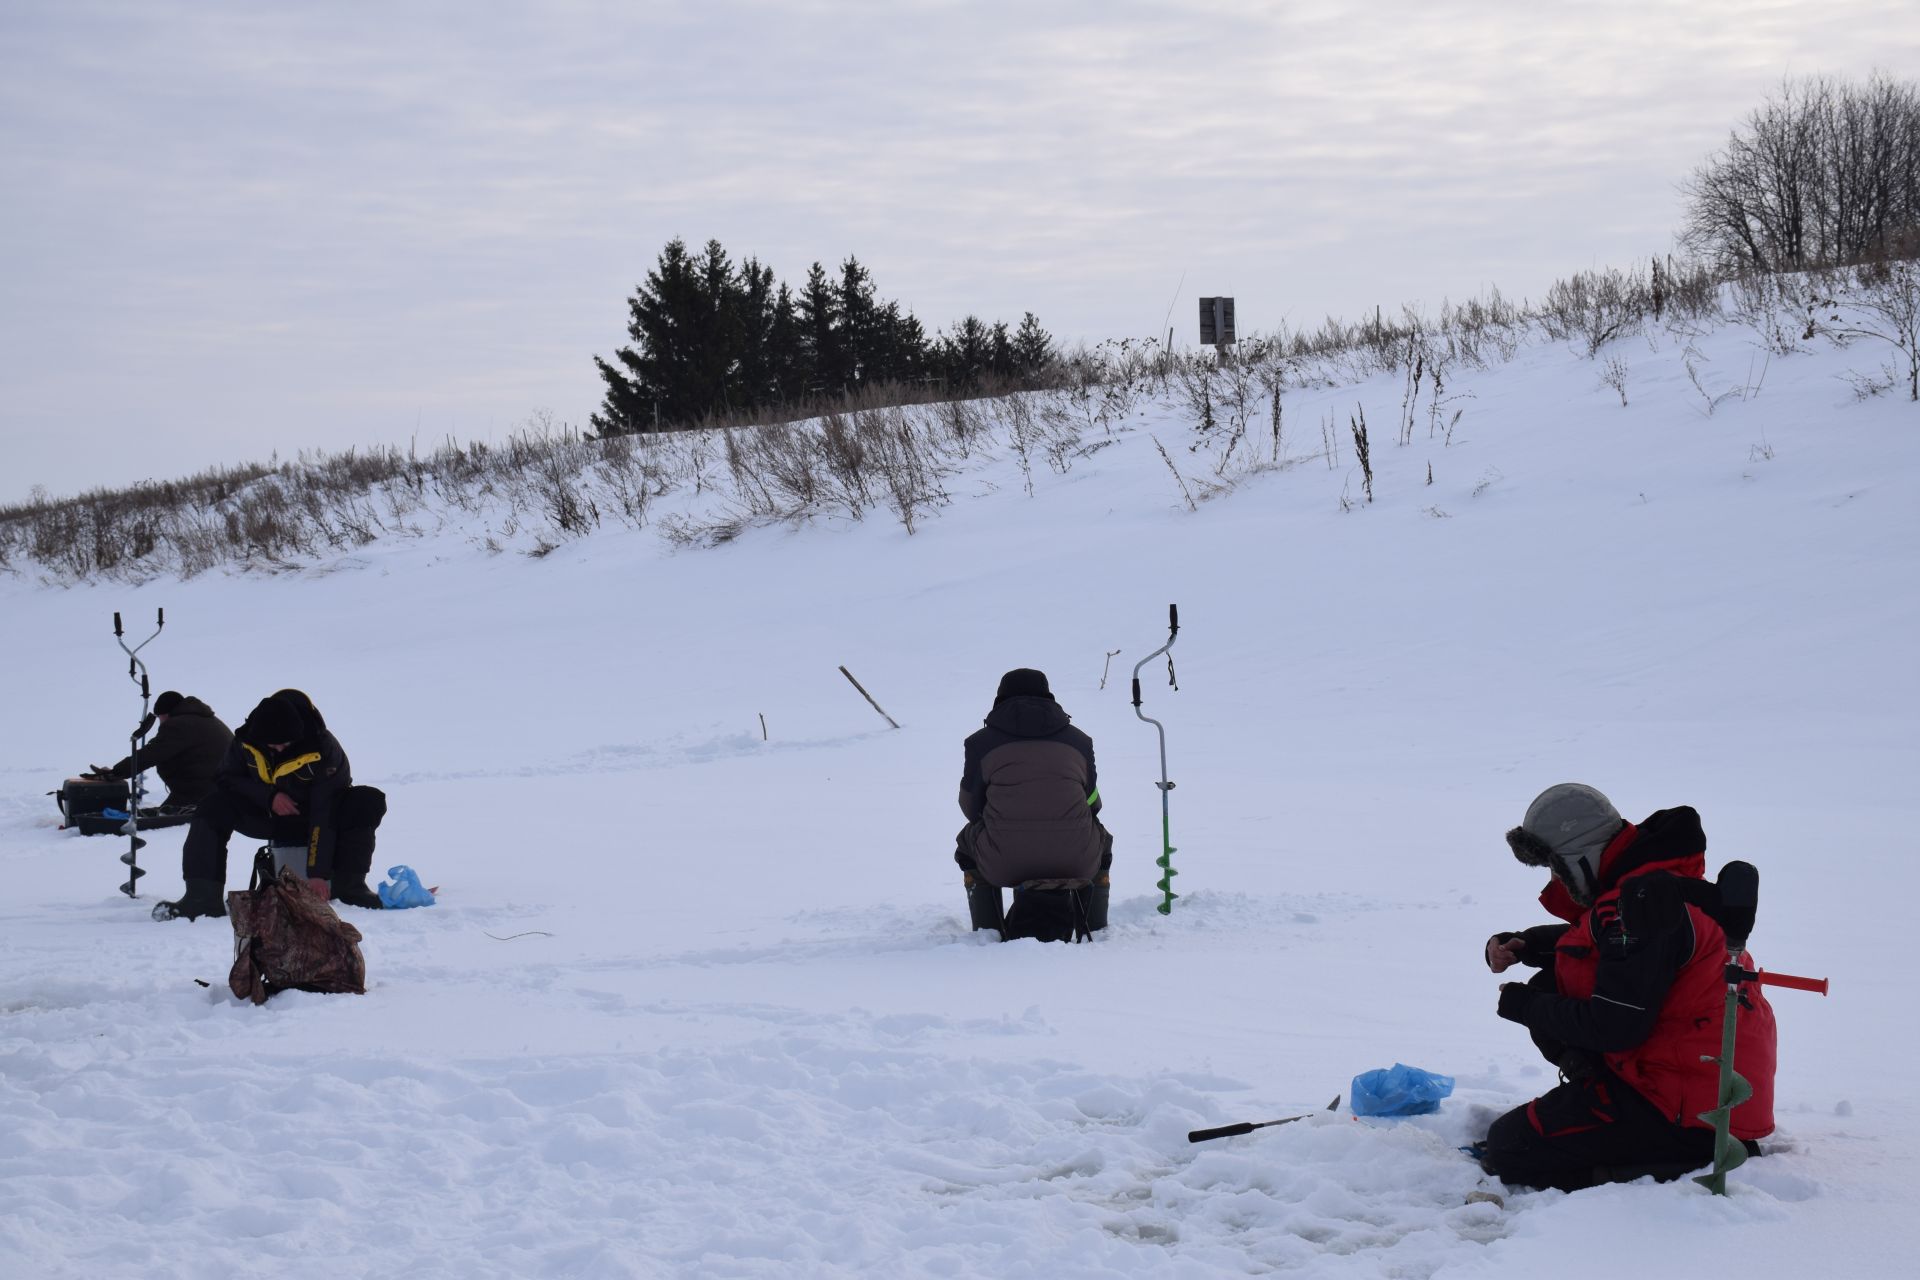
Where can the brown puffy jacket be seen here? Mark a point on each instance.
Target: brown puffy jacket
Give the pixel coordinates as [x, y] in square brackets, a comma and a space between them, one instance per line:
[1030, 794]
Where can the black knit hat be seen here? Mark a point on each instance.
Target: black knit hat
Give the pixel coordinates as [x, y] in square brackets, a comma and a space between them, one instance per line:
[270, 722]
[1022, 682]
[167, 703]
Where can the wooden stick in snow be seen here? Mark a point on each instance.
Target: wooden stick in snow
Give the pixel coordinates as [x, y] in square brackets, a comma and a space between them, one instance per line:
[869, 697]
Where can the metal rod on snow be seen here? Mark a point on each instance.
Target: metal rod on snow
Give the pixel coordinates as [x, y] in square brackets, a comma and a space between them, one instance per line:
[136, 672]
[1165, 860]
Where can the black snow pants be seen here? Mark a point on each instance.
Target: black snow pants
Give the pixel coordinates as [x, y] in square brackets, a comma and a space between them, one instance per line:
[357, 812]
[1588, 1131]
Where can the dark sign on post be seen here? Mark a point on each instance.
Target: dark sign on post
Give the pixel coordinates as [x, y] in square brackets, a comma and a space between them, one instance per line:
[1216, 322]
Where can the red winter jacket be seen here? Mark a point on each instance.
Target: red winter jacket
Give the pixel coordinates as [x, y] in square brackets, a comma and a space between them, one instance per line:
[1641, 980]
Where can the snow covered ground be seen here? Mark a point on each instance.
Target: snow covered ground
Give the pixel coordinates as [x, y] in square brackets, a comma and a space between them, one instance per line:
[739, 1028]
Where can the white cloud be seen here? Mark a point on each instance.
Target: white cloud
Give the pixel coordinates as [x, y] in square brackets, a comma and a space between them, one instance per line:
[232, 227]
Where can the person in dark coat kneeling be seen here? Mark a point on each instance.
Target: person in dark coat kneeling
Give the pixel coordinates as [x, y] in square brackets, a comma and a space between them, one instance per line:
[1628, 1004]
[285, 780]
[186, 750]
[1032, 803]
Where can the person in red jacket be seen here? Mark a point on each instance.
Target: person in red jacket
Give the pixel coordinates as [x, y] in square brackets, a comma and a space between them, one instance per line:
[1628, 1003]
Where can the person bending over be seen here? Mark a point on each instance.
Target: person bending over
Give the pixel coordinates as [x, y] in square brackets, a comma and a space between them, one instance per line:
[185, 750]
[1032, 803]
[1628, 1002]
[284, 780]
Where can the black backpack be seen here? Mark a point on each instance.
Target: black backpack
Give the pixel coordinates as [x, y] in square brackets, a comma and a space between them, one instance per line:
[1050, 910]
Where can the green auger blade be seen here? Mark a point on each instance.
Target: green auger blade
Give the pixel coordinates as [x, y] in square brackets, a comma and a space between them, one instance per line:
[1728, 1154]
[1734, 1090]
[1165, 883]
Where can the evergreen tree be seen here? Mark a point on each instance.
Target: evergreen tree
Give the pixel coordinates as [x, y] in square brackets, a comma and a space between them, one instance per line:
[822, 360]
[860, 335]
[901, 349]
[966, 355]
[645, 389]
[1032, 347]
[717, 338]
[756, 377]
[785, 354]
[710, 337]
[1000, 361]
[916, 353]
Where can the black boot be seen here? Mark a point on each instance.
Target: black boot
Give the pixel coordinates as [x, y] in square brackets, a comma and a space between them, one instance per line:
[1097, 894]
[359, 812]
[202, 898]
[983, 903]
[357, 895]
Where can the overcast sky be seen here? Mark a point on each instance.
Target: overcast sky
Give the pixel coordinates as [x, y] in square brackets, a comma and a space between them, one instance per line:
[228, 229]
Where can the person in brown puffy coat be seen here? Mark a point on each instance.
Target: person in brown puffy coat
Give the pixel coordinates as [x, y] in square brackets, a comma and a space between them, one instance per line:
[1032, 802]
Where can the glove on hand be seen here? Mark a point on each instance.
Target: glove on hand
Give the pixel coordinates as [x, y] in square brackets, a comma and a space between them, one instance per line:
[1579, 1064]
[1515, 999]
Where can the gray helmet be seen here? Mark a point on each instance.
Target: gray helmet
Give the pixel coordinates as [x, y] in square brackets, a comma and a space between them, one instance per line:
[1567, 828]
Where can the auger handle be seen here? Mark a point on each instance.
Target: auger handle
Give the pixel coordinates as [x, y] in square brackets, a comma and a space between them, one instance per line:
[1173, 618]
[1739, 900]
[116, 623]
[1789, 980]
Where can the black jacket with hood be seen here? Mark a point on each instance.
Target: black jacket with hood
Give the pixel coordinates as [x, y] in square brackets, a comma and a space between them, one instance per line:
[186, 751]
[313, 770]
[1030, 793]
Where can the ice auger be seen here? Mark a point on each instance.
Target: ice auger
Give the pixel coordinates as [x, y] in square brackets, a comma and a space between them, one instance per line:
[137, 672]
[1739, 884]
[1165, 860]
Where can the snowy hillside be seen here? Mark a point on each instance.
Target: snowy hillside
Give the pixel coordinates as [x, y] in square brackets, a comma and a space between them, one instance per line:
[739, 1028]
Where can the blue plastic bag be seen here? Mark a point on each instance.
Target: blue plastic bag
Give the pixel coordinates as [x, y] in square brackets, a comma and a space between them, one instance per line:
[1398, 1090]
[405, 891]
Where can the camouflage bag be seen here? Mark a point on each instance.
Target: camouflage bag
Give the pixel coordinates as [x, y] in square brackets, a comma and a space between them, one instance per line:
[286, 937]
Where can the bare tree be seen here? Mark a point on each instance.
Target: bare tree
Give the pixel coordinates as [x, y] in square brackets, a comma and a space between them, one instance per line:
[1825, 172]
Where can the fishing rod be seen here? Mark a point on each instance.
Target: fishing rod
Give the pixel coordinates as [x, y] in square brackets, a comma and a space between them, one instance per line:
[1234, 1130]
